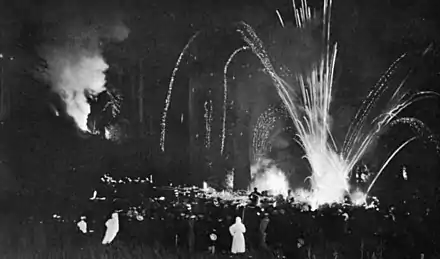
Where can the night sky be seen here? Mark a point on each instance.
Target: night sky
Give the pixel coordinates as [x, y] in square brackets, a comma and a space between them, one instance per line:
[43, 154]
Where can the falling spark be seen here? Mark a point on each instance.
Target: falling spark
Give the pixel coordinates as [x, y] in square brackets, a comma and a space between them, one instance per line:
[308, 101]
[264, 126]
[388, 160]
[280, 18]
[368, 103]
[330, 169]
[225, 94]
[416, 125]
[208, 122]
[170, 90]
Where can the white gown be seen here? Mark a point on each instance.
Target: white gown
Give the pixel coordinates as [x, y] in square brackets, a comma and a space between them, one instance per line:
[237, 231]
[82, 226]
[112, 226]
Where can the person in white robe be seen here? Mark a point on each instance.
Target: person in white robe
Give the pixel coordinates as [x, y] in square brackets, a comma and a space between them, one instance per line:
[112, 226]
[82, 225]
[237, 231]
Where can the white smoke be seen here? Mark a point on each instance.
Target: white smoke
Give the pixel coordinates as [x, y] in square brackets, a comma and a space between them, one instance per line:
[73, 74]
[76, 68]
[266, 176]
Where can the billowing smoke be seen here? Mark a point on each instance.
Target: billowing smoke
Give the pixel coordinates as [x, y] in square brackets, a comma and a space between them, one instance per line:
[75, 67]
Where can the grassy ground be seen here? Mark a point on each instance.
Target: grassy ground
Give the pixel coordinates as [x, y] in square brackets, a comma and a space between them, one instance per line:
[119, 250]
[115, 251]
[47, 241]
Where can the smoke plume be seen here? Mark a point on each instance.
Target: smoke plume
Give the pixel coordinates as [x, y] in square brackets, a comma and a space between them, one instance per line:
[75, 67]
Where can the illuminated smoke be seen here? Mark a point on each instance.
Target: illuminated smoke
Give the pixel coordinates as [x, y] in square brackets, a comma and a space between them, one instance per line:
[307, 100]
[74, 74]
[229, 179]
[76, 68]
[308, 103]
[266, 176]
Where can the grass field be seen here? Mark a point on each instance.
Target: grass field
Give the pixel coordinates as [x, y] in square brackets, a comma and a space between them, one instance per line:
[38, 242]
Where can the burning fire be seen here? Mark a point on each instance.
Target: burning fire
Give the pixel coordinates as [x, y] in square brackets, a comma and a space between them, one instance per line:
[76, 68]
[266, 176]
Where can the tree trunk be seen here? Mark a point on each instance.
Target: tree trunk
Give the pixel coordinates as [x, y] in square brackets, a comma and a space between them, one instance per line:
[241, 157]
[4, 97]
[191, 127]
[241, 144]
[133, 92]
[2, 91]
[141, 99]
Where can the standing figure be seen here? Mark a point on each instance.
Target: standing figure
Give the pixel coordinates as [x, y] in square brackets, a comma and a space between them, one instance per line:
[237, 231]
[212, 239]
[263, 227]
[255, 197]
[191, 233]
[82, 225]
[112, 226]
[82, 236]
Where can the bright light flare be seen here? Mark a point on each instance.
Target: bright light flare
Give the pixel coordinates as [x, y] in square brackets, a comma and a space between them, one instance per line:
[268, 177]
[358, 198]
[308, 102]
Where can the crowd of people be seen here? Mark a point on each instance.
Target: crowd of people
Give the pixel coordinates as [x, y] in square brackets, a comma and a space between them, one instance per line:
[189, 219]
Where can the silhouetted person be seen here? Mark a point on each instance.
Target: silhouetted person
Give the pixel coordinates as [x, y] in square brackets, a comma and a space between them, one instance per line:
[256, 192]
[290, 197]
[212, 240]
[191, 234]
[263, 227]
[255, 196]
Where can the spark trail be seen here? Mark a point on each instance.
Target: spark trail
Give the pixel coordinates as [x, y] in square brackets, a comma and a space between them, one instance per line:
[308, 99]
[170, 91]
[387, 162]
[208, 121]
[225, 94]
[263, 128]
[308, 102]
